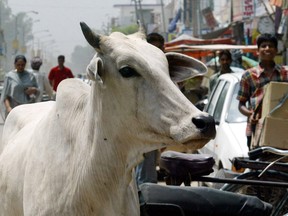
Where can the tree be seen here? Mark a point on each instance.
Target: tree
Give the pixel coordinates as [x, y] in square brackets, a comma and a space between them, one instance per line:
[127, 29]
[16, 33]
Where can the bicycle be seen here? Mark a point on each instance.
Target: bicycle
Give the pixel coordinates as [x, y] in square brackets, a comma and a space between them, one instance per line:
[264, 164]
[268, 186]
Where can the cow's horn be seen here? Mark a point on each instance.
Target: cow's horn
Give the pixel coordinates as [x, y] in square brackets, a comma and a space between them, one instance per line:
[140, 27]
[91, 37]
[141, 30]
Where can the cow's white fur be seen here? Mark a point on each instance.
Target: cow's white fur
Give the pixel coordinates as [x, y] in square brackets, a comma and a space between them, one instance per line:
[75, 156]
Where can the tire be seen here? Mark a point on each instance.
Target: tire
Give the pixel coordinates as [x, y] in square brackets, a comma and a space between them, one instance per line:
[277, 196]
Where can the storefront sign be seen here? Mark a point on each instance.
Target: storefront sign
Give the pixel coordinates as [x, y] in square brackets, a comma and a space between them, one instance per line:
[248, 8]
[209, 17]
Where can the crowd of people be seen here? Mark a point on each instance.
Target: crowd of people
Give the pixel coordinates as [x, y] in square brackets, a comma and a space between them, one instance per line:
[24, 86]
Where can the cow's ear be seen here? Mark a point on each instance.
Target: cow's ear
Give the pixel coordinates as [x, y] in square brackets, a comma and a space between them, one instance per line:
[95, 69]
[183, 67]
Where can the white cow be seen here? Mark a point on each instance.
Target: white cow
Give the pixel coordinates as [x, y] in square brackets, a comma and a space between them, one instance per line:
[75, 156]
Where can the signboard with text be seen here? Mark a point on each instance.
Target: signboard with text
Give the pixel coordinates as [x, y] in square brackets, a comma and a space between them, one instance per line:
[248, 8]
[209, 17]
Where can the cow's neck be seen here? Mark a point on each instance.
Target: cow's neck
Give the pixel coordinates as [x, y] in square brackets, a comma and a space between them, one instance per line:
[112, 159]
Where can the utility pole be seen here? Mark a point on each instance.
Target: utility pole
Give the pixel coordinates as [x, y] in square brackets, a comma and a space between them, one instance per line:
[1, 37]
[139, 13]
[136, 11]
[267, 11]
[195, 17]
[2, 42]
[15, 43]
[163, 18]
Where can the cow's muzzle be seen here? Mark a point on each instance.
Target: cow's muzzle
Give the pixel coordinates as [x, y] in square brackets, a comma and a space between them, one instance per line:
[206, 125]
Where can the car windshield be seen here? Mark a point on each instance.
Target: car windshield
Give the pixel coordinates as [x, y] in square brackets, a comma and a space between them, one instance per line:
[234, 115]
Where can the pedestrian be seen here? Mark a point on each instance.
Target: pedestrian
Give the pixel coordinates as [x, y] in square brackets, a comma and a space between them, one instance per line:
[237, 58]
[252, 83]
[20, 86]
[156, 39]
[225, 60]
[146, 171]
[41, 78]
[59, 73]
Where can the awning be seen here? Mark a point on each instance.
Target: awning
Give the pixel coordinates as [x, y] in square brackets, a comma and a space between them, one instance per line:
[189, 40]
[198, 51]
[217, 33]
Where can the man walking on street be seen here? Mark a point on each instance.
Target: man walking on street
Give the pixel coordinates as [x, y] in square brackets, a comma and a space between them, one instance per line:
[59, 73]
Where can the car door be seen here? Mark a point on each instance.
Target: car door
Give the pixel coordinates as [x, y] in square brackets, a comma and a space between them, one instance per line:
[215, 108]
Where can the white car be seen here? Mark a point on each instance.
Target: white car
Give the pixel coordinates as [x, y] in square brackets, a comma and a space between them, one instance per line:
[230, 140]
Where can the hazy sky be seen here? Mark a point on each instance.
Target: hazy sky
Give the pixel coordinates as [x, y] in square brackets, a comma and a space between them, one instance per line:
[62, 17]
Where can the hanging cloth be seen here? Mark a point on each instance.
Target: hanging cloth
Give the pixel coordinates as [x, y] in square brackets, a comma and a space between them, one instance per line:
[277, 3]
[284, 4]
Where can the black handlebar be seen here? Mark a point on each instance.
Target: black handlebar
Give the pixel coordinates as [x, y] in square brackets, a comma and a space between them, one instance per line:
[255, 153]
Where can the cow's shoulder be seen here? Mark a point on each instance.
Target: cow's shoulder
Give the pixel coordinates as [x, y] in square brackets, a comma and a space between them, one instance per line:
[72, 88]
[27, 113]
[72, 96]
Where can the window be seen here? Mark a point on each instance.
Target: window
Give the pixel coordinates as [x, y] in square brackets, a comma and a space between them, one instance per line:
[214, 97]
[219, 106]
[234, 115]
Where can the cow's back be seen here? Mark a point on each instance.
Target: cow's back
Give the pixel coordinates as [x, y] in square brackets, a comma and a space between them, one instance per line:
[25, 134]
[29, 115]
[23, 116]
[17, 132]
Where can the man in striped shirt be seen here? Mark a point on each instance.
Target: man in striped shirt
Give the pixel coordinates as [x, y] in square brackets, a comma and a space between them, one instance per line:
[253, 81]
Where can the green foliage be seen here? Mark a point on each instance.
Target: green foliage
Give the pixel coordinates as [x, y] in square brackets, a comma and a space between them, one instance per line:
[126, 30]
[15, 27]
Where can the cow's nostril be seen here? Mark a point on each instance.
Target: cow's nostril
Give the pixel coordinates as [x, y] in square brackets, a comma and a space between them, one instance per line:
[205, 124]
[199, 122]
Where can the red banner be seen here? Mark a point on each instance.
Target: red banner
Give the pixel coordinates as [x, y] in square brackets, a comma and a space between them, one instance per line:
[248, 8]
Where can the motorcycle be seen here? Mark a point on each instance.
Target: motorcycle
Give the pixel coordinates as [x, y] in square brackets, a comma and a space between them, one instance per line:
[176, 200]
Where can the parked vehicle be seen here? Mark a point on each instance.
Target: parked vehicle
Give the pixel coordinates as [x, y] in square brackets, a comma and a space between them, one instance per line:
[170, 200]
[266, 176]
[230, 140]
[204, 101]
[269, 166]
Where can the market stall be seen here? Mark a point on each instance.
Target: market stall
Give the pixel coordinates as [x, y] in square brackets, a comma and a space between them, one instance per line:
[199, 51]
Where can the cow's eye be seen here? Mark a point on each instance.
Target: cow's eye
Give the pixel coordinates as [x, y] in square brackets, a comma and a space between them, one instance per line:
[128, 72]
